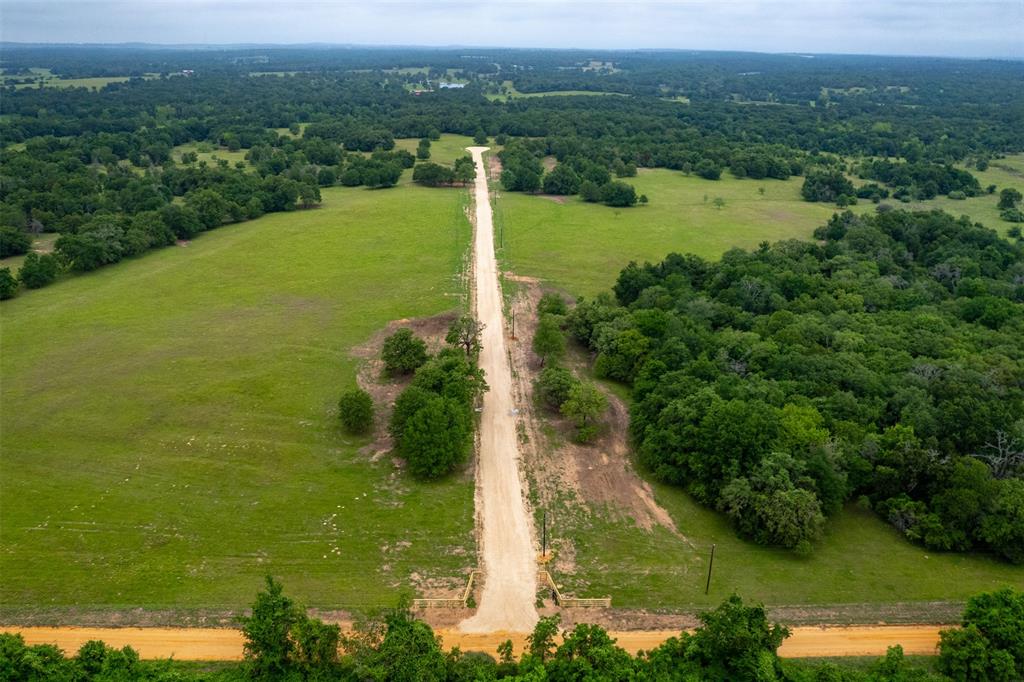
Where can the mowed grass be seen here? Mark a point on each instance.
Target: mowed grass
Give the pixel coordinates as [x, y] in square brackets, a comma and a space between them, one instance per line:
[860, 560]
[443, 151]
[213, 156]
[169, 425]
[582, 247]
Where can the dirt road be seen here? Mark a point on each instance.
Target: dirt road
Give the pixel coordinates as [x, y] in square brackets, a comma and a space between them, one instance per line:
[510, 571]
[199, 644]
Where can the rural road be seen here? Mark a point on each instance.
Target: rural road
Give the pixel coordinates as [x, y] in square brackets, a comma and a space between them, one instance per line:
[211, 644]
[509, 564]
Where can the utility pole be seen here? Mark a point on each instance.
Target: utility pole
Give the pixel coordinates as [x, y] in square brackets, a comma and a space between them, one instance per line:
[544, 542]
[710, 566]
[513, 325]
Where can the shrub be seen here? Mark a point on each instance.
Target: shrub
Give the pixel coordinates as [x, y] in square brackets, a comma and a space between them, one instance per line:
[554, 386]
[356, 410]
[551, 304]
[436, 438]
[403, 352]
[618, 194]
[990, 645]
[8, 285]
[13, 242]
[38, 271]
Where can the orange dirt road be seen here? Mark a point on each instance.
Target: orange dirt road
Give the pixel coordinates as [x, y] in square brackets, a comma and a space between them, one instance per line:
[212, 644]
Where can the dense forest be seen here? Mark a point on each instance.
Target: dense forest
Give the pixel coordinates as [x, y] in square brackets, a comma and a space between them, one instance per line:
[884, 363]
[99, 166]
[735, 642]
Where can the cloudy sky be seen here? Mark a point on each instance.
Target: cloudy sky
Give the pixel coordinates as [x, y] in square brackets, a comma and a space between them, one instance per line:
[968, 28]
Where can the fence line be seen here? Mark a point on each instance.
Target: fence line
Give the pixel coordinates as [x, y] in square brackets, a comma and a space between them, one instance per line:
[450, 602]
[572, 602]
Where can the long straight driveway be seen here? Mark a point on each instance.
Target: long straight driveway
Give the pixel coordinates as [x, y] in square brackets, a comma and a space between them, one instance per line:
[510, 569]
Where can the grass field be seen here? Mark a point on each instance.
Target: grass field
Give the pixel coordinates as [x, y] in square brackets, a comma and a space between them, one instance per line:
[444, 150]
[582, 247]
[861, 560]
[512, 93]
[211, 157]
[50, 80]
[1008, 172]
[169, 426]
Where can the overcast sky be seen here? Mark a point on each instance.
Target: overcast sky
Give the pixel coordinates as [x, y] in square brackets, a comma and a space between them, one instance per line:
[967, 28]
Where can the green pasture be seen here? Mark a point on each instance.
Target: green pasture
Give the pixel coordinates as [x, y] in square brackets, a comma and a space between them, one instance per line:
[210, 154]
[582, 247]
[48, 79]
[861, 560]
[512, 93]
[169, 426]
[444, 150]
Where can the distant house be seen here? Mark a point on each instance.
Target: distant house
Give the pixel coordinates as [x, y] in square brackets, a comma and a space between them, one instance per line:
[451, 86]
[187, 72]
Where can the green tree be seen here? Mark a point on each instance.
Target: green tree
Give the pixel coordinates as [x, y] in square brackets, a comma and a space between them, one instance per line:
[990, 645]
[268, 644]
[13, 241]
[210, 207]
[1009, 198]
[618, 194]
[590, 191]
[423, 149]
[585, 405]
[562, 180]
[356, 410]
[38, 270]
[549, 339]
[403, 352]
[551, 304]
[554, 385]
[480, 137]
[465, 333]
[8, 285]
[437, 438]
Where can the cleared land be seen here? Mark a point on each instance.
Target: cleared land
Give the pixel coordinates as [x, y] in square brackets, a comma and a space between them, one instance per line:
[444, 150]
[210, 154]
[42, 243]
[582, 247]
[169, 423]
[512, 93]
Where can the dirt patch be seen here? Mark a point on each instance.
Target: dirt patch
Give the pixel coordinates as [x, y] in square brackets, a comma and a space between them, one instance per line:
[182, 242]
[549, 163]
[493, 167]
[599, 475]
[557, 198]
[384, 389]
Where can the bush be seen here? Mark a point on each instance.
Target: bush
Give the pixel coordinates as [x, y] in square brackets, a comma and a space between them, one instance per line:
[403, 352]
[618, 194]
[551, 304]
[8, 285]
[585, 406]
[13, 242]
[708, 170]
[436, 438]
[554, 386]
[38, 271]
[990, 645]
[549, 340]
[826, 186]
[356, 410]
